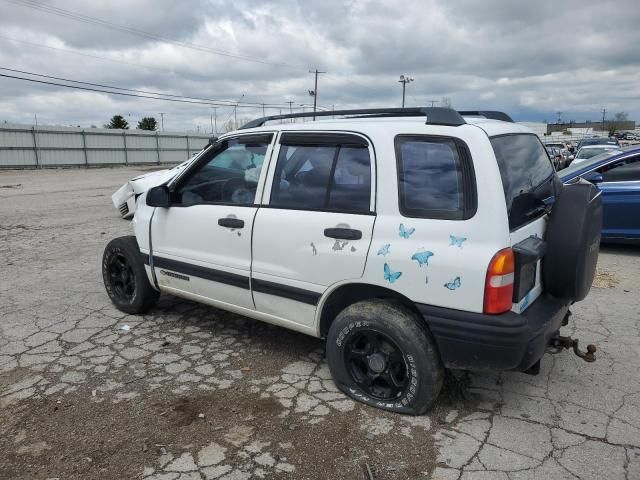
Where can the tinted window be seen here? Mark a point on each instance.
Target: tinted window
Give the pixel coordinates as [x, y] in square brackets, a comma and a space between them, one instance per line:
[229, 173]
[527, 175]
[430, 177]
[627, 170]
[322, 177]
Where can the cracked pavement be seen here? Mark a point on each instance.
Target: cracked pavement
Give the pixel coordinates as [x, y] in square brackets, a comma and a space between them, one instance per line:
[191, 392]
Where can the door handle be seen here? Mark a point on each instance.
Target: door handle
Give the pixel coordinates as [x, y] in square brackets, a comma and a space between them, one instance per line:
[231, 222]
[343, 233]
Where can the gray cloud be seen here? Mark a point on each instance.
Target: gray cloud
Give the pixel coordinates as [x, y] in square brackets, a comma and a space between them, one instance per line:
[528, 58]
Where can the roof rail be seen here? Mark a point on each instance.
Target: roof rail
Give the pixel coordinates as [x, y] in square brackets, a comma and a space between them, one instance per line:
[490, 114]
[434, 115]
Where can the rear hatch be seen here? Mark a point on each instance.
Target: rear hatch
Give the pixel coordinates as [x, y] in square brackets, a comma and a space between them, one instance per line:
[530, 186]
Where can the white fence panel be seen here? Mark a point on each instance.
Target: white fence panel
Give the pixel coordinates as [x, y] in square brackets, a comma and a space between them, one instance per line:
[24, 146]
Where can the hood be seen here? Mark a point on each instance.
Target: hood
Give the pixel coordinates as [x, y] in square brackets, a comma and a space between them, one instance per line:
[144, 182]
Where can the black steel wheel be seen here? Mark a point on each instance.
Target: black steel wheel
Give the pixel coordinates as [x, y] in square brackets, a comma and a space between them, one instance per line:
[121, 276]
[381, 355]
[376, 365]
[125, 277]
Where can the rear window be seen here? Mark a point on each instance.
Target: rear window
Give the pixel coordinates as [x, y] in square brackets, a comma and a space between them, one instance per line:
[435, 179]
[527, 176]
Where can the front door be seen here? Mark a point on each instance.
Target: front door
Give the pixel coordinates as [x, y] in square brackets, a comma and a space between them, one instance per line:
[201, 244]
[315, 224]
[620, 188]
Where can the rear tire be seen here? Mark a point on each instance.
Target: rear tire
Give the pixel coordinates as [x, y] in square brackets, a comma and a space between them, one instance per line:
[125, 278]
[378, 354]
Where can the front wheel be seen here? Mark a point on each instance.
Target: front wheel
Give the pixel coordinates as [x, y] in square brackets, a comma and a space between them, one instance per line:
[125, 278]
[378, 354]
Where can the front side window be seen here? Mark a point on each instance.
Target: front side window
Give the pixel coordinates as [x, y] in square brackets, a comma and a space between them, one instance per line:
[431, 178]
[333, 177]
[627, 170]
[228, 174]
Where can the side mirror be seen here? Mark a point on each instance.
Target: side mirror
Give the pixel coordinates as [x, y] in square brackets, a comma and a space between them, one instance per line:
[593, 177]
[159, 196]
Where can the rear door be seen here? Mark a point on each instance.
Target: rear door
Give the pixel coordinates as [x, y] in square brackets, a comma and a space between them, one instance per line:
[314, 226]
[529, 182]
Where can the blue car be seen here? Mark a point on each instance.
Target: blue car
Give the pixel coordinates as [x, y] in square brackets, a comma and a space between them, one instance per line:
[617, 175]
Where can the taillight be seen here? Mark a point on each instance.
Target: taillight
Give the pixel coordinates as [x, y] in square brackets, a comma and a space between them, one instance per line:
[498, 288]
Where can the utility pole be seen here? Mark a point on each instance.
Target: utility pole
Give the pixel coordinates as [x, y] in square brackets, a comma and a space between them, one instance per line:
[162, 120]
[559, 117]
[291, 110]
[433, 102]
[214, 120]
[404, 79]
[604, 115]
[314, 92]
[235, 116]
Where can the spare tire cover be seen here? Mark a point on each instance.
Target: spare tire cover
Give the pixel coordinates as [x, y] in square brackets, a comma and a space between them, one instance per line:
[573, 241]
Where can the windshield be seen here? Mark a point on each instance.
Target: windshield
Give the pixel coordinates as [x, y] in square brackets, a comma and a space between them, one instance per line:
[592, 152]
[592, 161]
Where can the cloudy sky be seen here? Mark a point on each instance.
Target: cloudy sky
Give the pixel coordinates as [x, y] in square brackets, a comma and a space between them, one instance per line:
[530, 59]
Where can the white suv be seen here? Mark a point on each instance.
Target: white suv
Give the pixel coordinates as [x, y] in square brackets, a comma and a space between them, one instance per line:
[412, 239]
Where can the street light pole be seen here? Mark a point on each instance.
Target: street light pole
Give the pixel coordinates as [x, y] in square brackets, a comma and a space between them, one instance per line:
[162, 120]
[404, 79]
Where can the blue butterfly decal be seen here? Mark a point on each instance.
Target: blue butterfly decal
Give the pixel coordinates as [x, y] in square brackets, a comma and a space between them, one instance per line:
[456, 241]
[406, 232]
[453, 284]
[422, 257]
[384, 249]
[389, 275]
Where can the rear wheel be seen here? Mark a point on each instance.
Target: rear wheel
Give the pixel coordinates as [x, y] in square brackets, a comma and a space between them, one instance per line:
[125, 278]
[378, 354]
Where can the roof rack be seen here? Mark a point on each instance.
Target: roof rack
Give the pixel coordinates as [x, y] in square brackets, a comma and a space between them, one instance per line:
[489, 114]
[434, 115]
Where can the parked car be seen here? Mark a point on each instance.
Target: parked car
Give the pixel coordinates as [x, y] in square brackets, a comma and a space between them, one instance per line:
[555, 154]
[563, 148]
[597, 141]
[590, 151]
[439, 240]
[617, 176]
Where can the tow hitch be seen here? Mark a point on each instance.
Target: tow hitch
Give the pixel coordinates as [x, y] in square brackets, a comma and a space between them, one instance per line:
[559, 343]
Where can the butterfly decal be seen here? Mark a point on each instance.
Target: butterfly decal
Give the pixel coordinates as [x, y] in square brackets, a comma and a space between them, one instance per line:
[422, 257]
[453, 284]
[390, 276]
[456, 241]
[406, 232]
[384, 249]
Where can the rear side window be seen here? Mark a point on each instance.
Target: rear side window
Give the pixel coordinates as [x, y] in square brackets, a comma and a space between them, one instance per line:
[527, 176]
[322, 174]
[435, 178]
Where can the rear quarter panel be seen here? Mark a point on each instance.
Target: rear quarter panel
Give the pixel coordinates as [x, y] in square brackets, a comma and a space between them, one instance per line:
[486, 232]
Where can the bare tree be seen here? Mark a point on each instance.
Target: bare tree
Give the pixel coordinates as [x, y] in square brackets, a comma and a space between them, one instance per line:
[617, 122]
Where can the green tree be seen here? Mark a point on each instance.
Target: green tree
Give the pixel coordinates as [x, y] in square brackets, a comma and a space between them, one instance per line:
[147, 123]
[118, 121]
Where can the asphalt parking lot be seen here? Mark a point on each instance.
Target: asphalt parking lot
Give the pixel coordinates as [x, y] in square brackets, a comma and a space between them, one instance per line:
[191, 392]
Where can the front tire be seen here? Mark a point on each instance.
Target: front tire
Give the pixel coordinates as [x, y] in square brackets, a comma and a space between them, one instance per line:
[125, 278]
[378, 354]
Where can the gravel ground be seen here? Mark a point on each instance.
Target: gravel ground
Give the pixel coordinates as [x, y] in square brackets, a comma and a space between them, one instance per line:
[191, 392]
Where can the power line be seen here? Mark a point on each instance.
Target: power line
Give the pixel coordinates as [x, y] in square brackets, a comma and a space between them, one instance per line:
[227, 102]
[78, 87]
[114, 26]
[145, 93]
[66, 50]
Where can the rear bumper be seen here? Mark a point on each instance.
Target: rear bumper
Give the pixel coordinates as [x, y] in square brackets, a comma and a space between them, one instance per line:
[509, 341]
